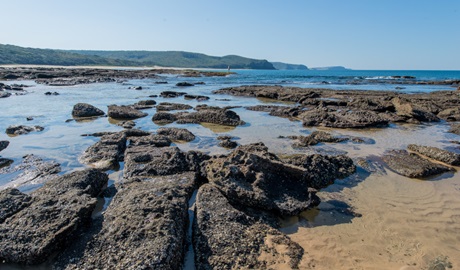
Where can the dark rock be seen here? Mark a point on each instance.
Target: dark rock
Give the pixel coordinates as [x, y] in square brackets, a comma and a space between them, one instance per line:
[342, 119]
[161, 82]
[31, 171]
[226, 238]
[11, 202]
[146, 161]
[20, 129]
[86, 110]
[171, 94]
[51, 93]
[228, 144]
[106, 153]
[30, 118]
[177, 134]
[253, 177]
[153, 96]
[197, 97]
[127, 124]
[455, 128]
[51, 221]
[166, 106]
[4, 145]
[337, 167]
[4, 94]
[224, 137]
[145, 104]
[135, 133]
[412, 165]
[150, 140]
[136, 87]
[124, 112]
[4, 162]
[182, 84]
[317, 137]
[214, 115]
[144, 227]
[436, 154]
[279, 111]
[162, 118]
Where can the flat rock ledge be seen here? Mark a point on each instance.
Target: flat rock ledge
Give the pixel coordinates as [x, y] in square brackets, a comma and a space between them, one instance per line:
[37, 225]
[412, 165]
[436, 154]
[21, 129]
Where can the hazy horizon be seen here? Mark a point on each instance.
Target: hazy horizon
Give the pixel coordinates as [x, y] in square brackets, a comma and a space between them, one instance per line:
[357, 34]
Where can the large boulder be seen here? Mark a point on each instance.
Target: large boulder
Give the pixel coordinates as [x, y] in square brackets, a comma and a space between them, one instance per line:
[251, 176]
[124, 112]
[106, 153]
[436, 154]
[55, 214]
[412, 165]
[177, 134]
[342, 118]
[144, 227]
[214, 115]
[227, 238]
[21, 129]
[163, 118]
[86, 110]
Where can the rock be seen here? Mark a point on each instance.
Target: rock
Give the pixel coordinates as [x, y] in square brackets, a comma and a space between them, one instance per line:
[451, 114]
[183, 84]
[124, 112]
[146, 161]
[436, 154]
[20, 129]
[145, 104]
[455, 128]
[51, 93]
[135, 133]
[32, 170]
[136, 87]
[144, 227]
[177, 134]
[127, 124]
[411, 165]
[4, 94]
[227, 238]
[406, 109]
[197, 97]
[150, 140]
[337, 167]
[11, 202]
[56, 212]
[279, 111]
[317, 137]
[163, 118]
[166, 106]
[342, 119]
[106, 153]
[171, 94]
[4, 145]
[228, 144]
[220, 116]
[253, 177]
[161, 82]
[86, 110]
[30, 118]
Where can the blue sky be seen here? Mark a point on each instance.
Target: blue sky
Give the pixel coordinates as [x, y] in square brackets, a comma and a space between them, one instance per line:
[359, 34]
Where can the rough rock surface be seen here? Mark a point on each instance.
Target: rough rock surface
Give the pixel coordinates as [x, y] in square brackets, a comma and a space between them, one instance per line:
[406, 109]
[279, 111]
[32, 170]
[145, 104]
[86, 110]
[124, 112]
[214, 115]
[197, 97]
[106, 153]
[317, 137]
[436, 154]
[455, 128]
[163, 118]
[20, 129]
[171, 94]
[177, 134]
[11, 202]
[166, 106]
[412, 165]
[4, 145]
[252, 176]
[50, 222]
[150, 140]
[143, 228]
[226, 238]
[342, 119]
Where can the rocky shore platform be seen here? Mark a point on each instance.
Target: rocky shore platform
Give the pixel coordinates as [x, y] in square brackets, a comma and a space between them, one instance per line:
[78, 220]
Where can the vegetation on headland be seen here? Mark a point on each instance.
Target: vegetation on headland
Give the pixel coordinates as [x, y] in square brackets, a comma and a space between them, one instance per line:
[10, 54]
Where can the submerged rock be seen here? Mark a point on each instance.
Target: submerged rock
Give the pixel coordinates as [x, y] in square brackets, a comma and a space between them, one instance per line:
[124, 112]
[20, 129]
[86, 110]
[227, 238]
[106, 153]
[177, 134]
[143, 228]
[253, 177]
[52, 217]
[412, 165]
[436, 154]
[4, 145]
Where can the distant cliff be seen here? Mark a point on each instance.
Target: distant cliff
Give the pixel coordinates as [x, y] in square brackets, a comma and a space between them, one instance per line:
[10, 54]
[330, 68]
[285, 66]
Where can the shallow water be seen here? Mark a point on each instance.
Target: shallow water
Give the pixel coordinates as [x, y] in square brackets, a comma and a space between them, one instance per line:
[402, 223]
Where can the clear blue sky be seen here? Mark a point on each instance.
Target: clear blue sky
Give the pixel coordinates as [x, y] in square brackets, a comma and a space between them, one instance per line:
[359, 34]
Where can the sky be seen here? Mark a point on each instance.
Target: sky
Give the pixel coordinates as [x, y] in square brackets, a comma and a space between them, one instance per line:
[358, 34]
